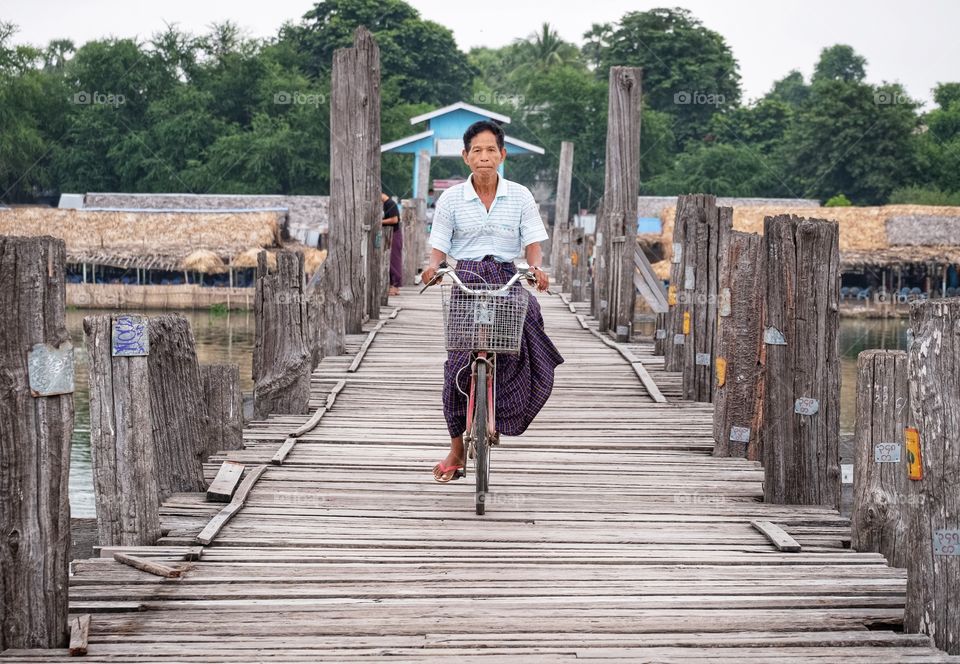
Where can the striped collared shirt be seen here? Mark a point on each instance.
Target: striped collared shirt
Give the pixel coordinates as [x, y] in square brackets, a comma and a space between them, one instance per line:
[463, 229]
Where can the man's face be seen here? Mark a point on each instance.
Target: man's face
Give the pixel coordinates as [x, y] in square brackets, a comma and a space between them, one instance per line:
[484, 156]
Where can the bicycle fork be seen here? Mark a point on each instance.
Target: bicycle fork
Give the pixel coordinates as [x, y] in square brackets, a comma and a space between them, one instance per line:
[482, 356]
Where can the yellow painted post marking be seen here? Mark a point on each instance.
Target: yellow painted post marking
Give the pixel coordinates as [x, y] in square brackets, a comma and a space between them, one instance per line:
[914, 465]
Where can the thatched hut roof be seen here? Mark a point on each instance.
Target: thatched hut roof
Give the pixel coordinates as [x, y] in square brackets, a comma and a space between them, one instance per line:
[203, 260]
[148, 238]
[880, 235]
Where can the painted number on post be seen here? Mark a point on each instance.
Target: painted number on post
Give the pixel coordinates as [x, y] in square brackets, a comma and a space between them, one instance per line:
[806, 406]
[946, 542]
[130, 336]
[50, 369]
[887, 453]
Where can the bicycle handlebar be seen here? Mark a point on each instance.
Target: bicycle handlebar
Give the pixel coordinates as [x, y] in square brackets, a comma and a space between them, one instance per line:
[446, 269]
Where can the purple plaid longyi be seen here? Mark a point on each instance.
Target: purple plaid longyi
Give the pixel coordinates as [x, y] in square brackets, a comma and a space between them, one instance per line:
[524, 381]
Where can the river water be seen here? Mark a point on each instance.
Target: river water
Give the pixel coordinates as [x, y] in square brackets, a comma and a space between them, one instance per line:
[228, 337]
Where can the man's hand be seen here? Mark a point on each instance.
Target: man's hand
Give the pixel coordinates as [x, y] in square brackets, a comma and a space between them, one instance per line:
[428, 274]
[543, 281]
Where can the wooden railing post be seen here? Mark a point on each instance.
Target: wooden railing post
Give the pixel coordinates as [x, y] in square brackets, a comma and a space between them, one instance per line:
[879, 519]
[693, 210]
[221, 391]
[560, 258]
[122, 449]
[36, 423]
[738, 391]
[712, 239]
[281, 354]
[621, 187]
[598, 294]
[354, 176]
[933, 550]
[801, 404]
[177, 408]
[412, 232]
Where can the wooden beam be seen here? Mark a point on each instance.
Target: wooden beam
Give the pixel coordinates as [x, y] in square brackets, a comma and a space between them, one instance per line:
[777, 536]
[225, 483]
[239, 498]
[148, 566]
[79, 634]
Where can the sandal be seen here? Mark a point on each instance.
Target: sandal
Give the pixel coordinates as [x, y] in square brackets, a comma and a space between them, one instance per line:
[458, 472]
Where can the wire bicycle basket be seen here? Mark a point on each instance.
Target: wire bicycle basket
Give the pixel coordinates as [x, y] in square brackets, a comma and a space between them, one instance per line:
[488, 321]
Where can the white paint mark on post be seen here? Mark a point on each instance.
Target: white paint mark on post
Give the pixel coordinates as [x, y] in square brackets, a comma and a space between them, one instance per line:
[689, 281]
[740, 434]
[724, 301]
[846, 473]
[678, 339]
[702, 359]
[773, 337]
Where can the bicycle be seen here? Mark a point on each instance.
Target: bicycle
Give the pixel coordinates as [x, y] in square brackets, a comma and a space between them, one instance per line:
[486, 320]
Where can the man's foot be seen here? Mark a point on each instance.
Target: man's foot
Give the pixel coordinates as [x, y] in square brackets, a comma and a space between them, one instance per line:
[450, 468]
[393, 291]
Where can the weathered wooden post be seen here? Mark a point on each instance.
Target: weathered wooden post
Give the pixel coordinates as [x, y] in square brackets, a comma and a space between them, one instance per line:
[621, 187]
[879, 519]
[354, 174]
[712, 237]
[221, 391]
[411, 240]
[281, 353]
[126, 488]
[560, 258]
[423, 175]
[660, 333]
[177, 409]
[692, 210]
[738, 393]
[36, 423]
[933, 550]
[801, 409]
[598, 295]
[578, 264]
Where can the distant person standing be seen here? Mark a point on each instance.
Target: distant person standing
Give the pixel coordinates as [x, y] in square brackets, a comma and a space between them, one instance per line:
[391, 219]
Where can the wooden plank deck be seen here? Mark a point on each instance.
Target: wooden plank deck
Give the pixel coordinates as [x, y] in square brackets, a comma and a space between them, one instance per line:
[611, 534]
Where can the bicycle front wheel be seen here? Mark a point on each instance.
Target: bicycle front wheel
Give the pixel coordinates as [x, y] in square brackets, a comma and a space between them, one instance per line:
[481, 437]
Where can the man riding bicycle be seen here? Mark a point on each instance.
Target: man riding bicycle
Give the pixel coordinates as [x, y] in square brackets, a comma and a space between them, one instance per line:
[484, 223]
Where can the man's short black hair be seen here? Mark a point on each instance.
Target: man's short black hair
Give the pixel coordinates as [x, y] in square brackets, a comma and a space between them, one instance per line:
[481, 126]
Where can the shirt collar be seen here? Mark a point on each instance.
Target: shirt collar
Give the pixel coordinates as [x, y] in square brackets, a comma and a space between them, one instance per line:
[469, 192]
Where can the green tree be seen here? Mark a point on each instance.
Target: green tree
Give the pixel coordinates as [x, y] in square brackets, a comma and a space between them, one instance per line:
[689, 70]
[791, 89]
[852, 137]
[420, 57]
[840, 63]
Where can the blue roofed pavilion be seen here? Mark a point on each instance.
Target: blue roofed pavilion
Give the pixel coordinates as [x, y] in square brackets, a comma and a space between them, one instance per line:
[443, 136]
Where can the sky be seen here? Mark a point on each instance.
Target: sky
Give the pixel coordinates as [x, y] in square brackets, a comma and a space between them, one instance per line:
[913, 43]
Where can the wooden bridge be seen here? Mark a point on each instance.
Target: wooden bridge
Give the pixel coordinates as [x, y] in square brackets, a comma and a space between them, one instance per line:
[612, 533]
